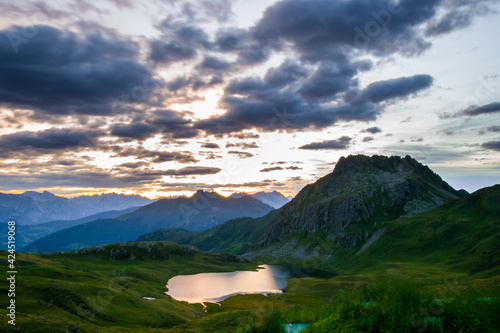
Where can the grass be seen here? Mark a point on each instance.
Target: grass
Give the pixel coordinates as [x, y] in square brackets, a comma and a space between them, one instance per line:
[392, 304]
[94, 293]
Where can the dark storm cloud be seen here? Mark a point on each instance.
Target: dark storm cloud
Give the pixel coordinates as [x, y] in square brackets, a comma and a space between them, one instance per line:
[48, 141]
[339, 144]
[372, 130]
[331, 41]
[266, 104]
[60, 72]
[493, 145]
[319, 28]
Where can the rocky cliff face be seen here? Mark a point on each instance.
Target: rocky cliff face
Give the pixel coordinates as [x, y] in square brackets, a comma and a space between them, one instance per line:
[349, 205]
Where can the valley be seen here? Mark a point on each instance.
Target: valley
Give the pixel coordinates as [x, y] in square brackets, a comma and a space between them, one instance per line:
[406, 252]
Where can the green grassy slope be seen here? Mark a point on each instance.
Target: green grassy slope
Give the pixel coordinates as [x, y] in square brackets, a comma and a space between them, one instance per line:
[102, 289]
[235, 236]
[460, 236]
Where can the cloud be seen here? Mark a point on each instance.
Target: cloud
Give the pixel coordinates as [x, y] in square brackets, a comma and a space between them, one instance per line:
[324, 29]
[472, 110]
[271, 169]
[138, 131]
[453, 20]
[194, 170]
[372, 130]
[210, 145]
[155, 156]
[330, 79]
[493, 129]
[475, 110]
[241, 154]
[368, 139]
[395, 88]
[180, 41]
[339, 144]
[47, 141]
[243, 145]
[214, 64]
[493, 145]
[133, 165]
[60, 72]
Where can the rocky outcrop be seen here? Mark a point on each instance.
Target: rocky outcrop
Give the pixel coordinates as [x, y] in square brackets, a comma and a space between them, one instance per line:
[349, 205]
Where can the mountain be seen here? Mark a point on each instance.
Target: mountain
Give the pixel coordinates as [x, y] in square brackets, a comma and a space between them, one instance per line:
[462, 235]
[349, 205]
[27, 234]
[34, 207]
[273, 199]
[235, 236]
[201, 211]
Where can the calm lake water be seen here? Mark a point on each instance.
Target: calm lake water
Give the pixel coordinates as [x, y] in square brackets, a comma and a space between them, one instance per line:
[216, 287]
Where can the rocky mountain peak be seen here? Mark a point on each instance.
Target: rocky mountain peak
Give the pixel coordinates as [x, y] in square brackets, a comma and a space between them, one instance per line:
[360, 194]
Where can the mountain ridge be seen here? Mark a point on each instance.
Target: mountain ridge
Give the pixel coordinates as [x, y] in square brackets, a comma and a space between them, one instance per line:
[201, 211]
[274, 199]
[351, 203]
[31, 208]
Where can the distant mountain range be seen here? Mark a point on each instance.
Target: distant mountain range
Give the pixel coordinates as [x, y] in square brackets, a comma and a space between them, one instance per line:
[201, 211]
[26, 234]
[273, 199]
[33, 207]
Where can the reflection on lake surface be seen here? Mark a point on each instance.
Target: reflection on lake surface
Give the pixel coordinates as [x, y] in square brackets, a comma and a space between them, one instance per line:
[216, 287]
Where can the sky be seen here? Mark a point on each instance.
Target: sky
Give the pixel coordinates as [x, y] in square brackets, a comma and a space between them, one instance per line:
[163, 98]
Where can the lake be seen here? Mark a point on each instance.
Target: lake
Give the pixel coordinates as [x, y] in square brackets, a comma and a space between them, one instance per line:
[216, 287]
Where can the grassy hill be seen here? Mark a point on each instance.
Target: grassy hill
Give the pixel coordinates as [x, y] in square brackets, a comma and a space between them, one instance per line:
[102, 288]
[235, 236]
[462, 235]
